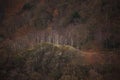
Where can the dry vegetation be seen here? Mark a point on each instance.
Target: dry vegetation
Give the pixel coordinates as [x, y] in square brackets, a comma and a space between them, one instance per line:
[59, 40]
[48, 61]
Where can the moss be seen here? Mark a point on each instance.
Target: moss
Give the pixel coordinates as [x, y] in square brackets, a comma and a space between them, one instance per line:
[66, 47]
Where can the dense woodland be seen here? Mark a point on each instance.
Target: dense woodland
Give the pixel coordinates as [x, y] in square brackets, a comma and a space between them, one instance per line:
[48, 37]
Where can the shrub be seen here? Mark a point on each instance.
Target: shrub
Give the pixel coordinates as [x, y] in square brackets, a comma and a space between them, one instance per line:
[1, 37]
[75, 16]
[27, 6]
[110, 44]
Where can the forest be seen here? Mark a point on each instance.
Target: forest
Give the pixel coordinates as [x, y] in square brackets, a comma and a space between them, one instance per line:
[59, 39]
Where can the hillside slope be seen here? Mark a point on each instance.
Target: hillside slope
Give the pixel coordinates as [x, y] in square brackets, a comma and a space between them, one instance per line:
[56, 62]
[59, 39]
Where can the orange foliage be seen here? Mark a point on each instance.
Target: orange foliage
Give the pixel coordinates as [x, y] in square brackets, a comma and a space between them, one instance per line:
[55, 13]
[42, 2]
